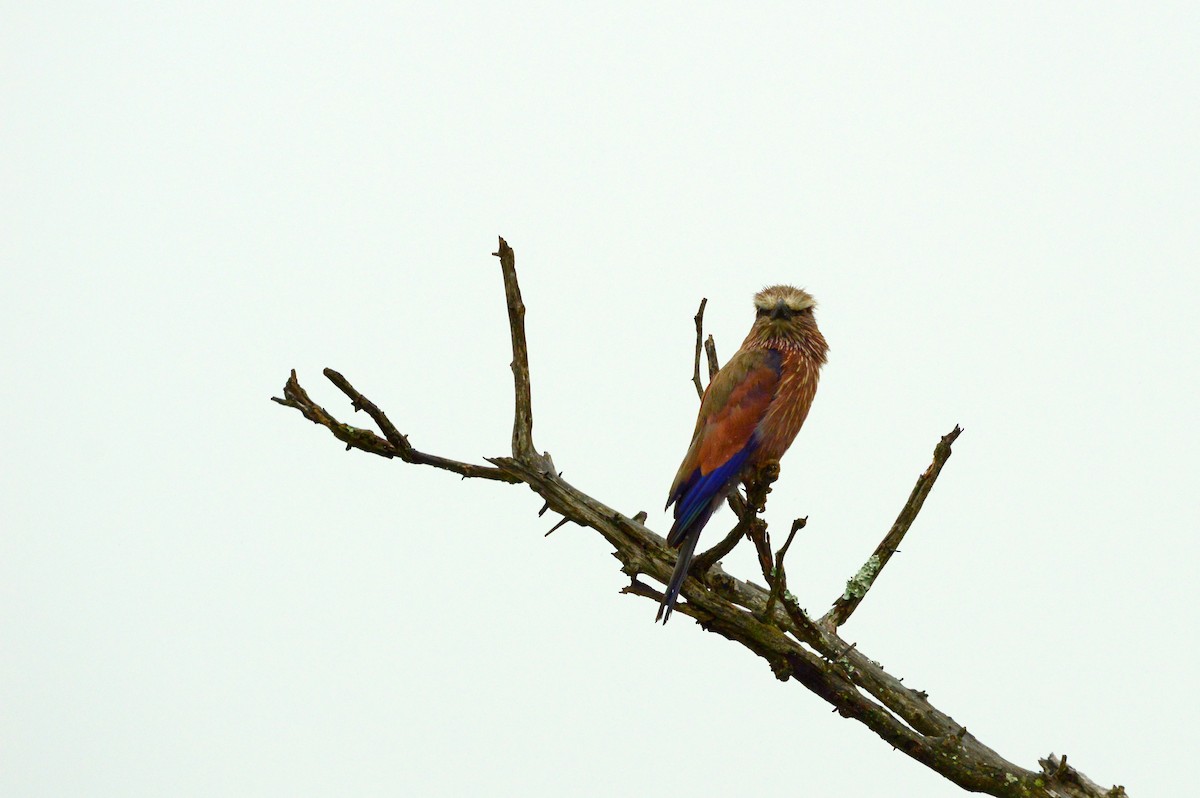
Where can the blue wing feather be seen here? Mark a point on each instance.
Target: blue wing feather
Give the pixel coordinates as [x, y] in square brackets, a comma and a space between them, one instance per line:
[695, 496]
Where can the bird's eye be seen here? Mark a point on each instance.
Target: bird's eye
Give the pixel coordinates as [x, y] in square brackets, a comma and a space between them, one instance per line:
[762, 312]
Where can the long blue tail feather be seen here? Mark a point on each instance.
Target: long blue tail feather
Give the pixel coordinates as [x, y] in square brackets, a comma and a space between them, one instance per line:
[677, 576]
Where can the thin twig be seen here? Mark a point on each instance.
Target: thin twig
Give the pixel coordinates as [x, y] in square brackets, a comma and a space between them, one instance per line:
[706, 559]
[360, 402]
[797, 525]
[710, 349]
[857, 587]
[395, 445]
[778, 582]
[757, 490]
[758, 487]
[563, 521]
[699, 319]
[801, 625]
[522, 437]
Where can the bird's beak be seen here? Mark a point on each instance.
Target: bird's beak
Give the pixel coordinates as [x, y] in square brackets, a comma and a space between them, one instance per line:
[780, 311]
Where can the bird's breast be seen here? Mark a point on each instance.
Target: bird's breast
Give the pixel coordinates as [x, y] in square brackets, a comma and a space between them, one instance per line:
[789, 408]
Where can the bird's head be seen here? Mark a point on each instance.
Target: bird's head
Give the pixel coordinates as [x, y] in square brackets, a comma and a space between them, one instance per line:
[785, 317]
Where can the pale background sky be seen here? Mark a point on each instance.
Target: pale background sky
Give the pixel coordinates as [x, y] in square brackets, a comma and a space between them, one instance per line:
[202, 594]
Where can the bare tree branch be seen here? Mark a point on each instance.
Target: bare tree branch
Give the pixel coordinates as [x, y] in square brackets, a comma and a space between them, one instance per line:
[766, 621]
[396, 445]
[757, 489]
[860, 583]
[778, 580]
[699, 345]
[522, 437]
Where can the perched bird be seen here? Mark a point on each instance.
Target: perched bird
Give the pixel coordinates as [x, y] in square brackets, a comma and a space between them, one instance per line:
[749, 416]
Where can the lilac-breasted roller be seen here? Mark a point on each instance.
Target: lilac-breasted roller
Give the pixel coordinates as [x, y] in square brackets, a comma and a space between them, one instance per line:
[749, 416]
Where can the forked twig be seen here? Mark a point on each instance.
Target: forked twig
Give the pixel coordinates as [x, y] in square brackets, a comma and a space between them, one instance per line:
[394, 445]
[778, 580]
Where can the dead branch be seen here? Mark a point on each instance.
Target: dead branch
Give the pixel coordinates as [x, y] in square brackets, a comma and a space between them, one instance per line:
[394, 445]
[522, 437]
[861, 582]
[699, 319]
[766, 621]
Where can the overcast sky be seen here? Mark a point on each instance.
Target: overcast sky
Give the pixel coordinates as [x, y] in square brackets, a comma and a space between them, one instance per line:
[202, 594]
